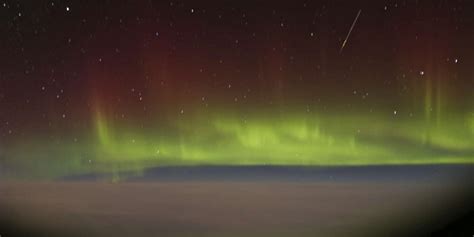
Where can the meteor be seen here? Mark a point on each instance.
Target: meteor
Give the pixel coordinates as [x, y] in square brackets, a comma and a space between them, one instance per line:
[350, 30]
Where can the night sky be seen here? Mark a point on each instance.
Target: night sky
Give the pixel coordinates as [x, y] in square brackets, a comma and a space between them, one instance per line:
[111, 86]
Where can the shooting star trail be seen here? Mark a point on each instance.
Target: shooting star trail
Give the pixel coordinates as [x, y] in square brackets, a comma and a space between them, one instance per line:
[350, 30]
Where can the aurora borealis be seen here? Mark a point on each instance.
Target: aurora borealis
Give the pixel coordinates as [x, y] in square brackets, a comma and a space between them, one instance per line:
[122, 86]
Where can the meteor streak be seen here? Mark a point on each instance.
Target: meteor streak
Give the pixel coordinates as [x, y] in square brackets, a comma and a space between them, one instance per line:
[350, 30]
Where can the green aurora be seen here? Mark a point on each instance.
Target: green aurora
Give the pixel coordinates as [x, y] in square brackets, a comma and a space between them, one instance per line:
[227, 139]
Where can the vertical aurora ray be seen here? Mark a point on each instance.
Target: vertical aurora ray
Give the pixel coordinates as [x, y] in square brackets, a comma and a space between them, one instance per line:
[439, 102]
[428, 109]
[102, 129]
